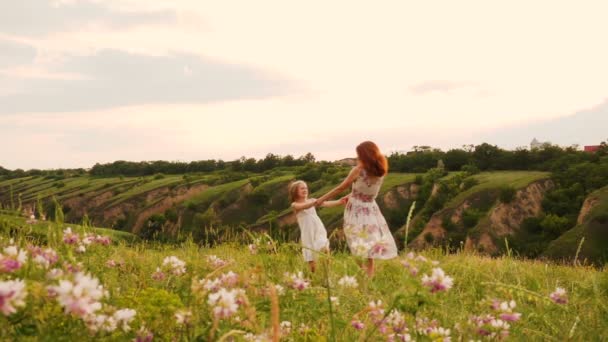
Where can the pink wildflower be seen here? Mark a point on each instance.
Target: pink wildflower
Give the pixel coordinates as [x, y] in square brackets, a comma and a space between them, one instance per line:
[438, 281]
[559, 296]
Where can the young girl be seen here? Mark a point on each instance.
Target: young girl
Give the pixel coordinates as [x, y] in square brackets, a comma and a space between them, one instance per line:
[312, 231]
[366, 230]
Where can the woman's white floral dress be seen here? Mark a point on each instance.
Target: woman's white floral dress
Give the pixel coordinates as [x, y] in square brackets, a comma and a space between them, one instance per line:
[366, 230]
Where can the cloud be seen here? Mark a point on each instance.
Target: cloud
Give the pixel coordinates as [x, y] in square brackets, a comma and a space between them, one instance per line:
[113, 78]
[42, 17]
[438, 86]
[12, 54]
[585, 127]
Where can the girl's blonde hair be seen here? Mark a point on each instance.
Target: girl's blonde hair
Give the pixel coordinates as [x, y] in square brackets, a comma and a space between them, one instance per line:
[293, 189]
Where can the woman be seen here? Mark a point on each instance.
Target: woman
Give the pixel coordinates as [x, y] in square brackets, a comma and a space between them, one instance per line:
[366, 230]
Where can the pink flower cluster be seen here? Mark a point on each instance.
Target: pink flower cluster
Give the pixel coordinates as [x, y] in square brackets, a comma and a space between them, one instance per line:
[71, 238]
[12, 259]
[296, 281]
[438, 281]
[216, 262]
[225, 303]
[226, 280]
[12, 296]
[43, 257]
[504, 310]
[432, 330]
[559, 296]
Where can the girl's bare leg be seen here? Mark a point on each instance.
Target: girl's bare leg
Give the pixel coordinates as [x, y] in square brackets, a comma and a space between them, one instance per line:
[313, 266]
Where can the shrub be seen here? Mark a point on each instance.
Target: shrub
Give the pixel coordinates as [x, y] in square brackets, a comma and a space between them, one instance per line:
[469, 183]
[470, 217]
[159, 176]
[470, 169]
[428, 237]
[507, 194]
[555, 225]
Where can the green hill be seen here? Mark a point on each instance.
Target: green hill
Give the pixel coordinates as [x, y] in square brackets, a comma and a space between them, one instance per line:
[591, 233]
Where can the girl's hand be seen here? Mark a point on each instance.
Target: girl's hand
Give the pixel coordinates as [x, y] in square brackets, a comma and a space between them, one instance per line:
[318, 203]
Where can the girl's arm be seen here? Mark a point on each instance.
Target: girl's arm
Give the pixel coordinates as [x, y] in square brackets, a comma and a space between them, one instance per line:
[303, 205]
[354, 173]
[341, 201]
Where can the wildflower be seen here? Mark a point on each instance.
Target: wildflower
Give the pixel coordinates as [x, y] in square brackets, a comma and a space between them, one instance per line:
[396, 321]
[559, 296]
[103, 240]
[215, 261]
[124, 317]
[257, 338]
[177, 266]
[439, 334]
[413, 269]
[183, 317]
[348, 281]
[144, 335]
[335, 300]
[158, 275]
[111, 263]
[505, 310]
[43, 257]
[438, 281]
[224, 303]
[279, 289]
[81, 249]
[55, 273]
[253, 248]
[69, 237]
[358, 325]
[297, 281]
[12, 259]
[81, 296]
[285, 328]
[12, 296]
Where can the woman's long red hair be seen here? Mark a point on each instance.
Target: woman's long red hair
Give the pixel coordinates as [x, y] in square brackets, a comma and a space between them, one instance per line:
[374, 162]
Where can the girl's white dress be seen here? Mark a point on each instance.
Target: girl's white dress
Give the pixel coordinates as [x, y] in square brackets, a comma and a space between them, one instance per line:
[312, 233]
[366, 230]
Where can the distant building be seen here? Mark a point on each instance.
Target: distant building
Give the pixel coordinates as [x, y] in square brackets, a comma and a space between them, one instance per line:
[592, 148]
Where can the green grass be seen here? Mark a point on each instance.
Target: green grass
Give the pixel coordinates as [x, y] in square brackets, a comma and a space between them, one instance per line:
[214, 192]
[40, 229]
[392, 180]
[498, 179]
[150, 185]
[476, 279]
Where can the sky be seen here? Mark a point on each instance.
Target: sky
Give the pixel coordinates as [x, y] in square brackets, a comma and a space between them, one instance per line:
[86, 81]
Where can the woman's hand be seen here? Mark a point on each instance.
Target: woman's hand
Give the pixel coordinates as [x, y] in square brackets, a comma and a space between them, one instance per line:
[319, 202]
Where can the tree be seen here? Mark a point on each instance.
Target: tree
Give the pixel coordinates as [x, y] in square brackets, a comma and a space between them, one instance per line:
[455, 159]
[485, 155]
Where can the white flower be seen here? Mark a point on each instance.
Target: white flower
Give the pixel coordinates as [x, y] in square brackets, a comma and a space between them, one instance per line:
[125, 316]
[215, 261]
[178, 267]
[285, 328]
[224, 303]
[335, 300]
[81, 249]
[348, 281]
[438, 281]
[182, 317]
[12, 296]
[80, 297]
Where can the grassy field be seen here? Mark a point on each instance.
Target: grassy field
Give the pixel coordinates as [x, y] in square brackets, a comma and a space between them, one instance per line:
[315, 307]
[498, 179]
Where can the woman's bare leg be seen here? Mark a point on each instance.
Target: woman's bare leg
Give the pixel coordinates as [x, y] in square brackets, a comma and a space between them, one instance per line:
[370, 267]
[313, 266]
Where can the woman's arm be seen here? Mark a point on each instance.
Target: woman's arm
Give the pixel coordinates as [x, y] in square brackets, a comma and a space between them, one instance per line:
[354, 173]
